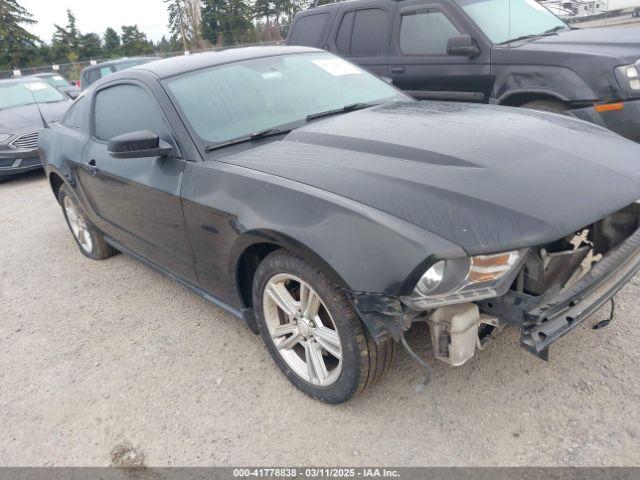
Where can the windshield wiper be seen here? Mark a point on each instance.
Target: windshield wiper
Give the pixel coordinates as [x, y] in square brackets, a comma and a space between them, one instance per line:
[270, 132]
[347, 108]
[546, 33]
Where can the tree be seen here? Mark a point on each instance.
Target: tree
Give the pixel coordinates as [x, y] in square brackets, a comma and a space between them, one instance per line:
[185, 22]
[111, 45]
[90, 46]
[227, 22]
[134, 42]
[17, 46]
[66, 41]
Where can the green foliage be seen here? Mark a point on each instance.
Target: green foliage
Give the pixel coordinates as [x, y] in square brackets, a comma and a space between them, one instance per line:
[134, 42]
[17, 45]
[111, 46]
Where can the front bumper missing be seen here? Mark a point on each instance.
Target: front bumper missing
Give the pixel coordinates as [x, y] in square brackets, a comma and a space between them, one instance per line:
[625, 122]
[552, 318]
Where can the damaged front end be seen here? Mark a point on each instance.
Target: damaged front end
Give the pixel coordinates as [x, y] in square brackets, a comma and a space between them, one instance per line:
[545, 290]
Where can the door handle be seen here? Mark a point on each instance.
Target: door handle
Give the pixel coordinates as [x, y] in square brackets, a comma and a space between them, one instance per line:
[90, 167]
[398, 69]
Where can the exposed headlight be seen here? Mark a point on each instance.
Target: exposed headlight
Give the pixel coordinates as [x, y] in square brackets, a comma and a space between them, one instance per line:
[4, 137]
[630, 75]
[462, 280]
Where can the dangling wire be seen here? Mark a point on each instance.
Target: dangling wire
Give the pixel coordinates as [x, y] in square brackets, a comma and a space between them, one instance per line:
[606, 322]
[416, 357]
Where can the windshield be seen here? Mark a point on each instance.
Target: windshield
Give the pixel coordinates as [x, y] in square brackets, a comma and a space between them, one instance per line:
[56, 81]
[230, 101]
[504, 20]
[27, 93]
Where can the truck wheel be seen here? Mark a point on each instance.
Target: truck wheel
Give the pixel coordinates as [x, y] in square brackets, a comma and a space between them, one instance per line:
[88, 238]
[313, 332]
[546, 106]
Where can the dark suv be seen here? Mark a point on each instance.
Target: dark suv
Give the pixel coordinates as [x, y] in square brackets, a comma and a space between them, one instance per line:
[481, 51]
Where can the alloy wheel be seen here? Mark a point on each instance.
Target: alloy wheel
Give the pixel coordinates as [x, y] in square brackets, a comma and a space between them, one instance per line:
[78, 225]
[302, 330]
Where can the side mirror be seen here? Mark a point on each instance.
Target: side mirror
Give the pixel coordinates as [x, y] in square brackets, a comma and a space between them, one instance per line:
[463, 46]
[138, 145]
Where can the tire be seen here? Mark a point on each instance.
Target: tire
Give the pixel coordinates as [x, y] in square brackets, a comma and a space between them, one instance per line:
[89, 239]
[546, 106]
[362, 362]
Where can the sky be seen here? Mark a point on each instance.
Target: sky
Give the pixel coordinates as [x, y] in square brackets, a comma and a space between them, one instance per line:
[96, 15]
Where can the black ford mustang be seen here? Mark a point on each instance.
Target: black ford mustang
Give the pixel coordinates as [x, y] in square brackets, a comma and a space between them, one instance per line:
[331, 212]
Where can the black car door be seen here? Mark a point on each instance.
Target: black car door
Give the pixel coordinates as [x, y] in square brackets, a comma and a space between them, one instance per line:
[362, 35]
[137, 200]
[419, 62]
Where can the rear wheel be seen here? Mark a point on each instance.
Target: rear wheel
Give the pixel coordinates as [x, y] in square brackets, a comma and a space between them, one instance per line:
[88, 238]
[554, 106]
[312, 331]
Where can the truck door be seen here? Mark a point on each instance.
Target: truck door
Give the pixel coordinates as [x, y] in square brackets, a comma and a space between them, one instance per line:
[419, 62]
[363, 36]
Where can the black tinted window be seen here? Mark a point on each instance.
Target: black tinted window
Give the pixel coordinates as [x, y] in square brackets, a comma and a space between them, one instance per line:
[363, 33]
[426, 33]
[125, 109]
[76, 115]
[308, 31]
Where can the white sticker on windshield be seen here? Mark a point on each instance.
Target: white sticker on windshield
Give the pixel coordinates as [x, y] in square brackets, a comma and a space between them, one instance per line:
[35, 86]
[535, 5]
[272, 74]
[337, 67]
[57, 78]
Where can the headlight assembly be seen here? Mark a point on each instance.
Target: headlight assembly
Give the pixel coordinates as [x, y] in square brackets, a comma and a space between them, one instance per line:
[629, 76]
[463, 280]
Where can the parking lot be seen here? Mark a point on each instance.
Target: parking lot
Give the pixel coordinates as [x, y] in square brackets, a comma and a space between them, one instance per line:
[109, 362]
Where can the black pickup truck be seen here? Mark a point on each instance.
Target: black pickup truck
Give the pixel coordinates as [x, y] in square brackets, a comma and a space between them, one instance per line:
[486, 51]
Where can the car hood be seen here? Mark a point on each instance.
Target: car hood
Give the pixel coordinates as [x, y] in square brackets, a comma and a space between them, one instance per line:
[487, 178]
[26, 117]
[622, 43]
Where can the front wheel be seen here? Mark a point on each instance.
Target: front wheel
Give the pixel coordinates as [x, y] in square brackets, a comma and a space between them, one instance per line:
[88, 238]
[312, 331]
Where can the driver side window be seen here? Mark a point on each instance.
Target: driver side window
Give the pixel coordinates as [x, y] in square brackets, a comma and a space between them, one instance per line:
[426, 32]
[125, 109]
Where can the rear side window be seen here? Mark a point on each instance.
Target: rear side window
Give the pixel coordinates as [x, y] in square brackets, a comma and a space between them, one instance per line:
[76, 115]
[125, 109]
[363, 33]
[426, 33]
[308, 30]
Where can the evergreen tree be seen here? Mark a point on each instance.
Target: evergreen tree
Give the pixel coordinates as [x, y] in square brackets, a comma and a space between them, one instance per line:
[90, 46]
[111, 45]
[18, 47]
[227, 22]
[185, 22]
[66, 41]
[134, 42]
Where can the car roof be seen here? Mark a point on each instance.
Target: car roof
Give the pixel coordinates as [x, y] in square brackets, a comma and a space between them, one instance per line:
[116, 62]
[170, 67]
[8, 81]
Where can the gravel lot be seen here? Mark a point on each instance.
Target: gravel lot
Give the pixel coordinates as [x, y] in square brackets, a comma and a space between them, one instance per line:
[105, 362]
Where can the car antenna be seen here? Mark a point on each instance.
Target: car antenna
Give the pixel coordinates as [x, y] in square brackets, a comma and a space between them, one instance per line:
[44, 121]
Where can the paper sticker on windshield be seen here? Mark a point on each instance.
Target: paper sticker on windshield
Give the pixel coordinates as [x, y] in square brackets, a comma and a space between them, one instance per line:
[535, 5]
[35, 86]
[271, 75]
[57, 78]
[337, 67]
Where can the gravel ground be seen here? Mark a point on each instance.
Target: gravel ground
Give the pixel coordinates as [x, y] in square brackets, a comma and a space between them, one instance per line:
[105, 362]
